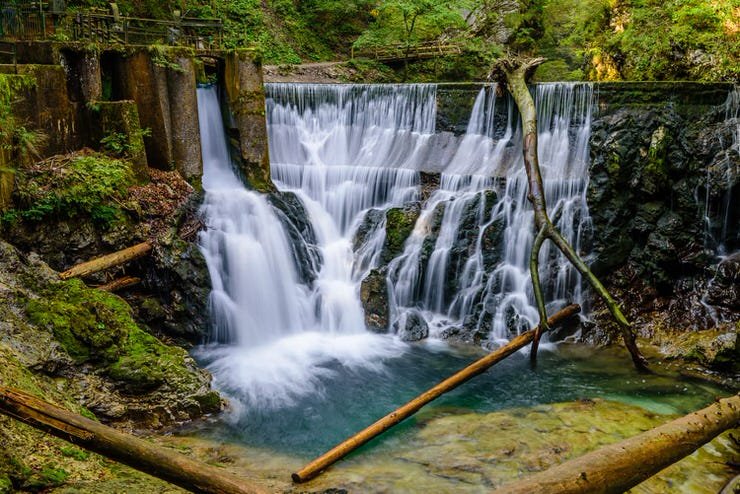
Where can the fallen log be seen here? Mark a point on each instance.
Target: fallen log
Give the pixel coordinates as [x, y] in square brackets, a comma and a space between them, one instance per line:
[132, 451]
[479, 366]
[119, 284]
[107, 261]
[618, 467]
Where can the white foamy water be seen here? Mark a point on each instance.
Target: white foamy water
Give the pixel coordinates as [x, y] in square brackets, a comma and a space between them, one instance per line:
[274, 338]
[345, 150]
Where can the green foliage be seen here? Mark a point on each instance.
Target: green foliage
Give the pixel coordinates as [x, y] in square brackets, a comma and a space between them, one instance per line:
[125, 145]
[76, 453]
[407, 22]
[94, 185]
[640, 39]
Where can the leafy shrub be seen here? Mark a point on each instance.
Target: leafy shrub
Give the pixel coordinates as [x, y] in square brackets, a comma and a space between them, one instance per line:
[90, 184]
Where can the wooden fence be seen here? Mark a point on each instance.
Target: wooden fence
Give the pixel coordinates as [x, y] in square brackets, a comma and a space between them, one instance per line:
[34, 22]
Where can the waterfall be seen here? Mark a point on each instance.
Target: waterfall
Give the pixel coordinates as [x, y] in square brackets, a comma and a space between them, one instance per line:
[274, 337]
[351, 150]
[732, 115]
[349, 154]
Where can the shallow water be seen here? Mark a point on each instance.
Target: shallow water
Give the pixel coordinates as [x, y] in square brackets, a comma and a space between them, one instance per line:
[345, 398]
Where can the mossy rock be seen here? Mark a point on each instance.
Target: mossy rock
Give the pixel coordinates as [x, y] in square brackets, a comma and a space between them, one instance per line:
[399, 223]
[89, 324]
[97, 327]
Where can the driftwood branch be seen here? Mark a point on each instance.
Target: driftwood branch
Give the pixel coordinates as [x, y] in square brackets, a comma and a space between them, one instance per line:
[478, 367]
[515, 72]
[107, 261]
[618, 467]
[134, 452]
[119, 284]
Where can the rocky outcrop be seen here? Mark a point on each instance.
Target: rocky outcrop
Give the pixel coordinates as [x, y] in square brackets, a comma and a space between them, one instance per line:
[374, 298]
[399, 223]
[663, 181]
[294, 217]
[89, 340]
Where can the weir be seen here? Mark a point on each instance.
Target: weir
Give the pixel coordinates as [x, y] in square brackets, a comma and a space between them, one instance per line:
[345, 149]
[352, 157]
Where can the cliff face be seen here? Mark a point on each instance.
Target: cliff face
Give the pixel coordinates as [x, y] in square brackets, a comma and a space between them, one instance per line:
[663, 201]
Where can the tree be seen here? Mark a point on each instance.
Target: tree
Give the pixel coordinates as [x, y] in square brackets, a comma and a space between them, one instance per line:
[513, 72]
[409, 22]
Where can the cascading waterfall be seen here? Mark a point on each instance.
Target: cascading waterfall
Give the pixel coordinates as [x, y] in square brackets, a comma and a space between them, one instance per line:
[274, 336]
[349, 152]
[348, 148]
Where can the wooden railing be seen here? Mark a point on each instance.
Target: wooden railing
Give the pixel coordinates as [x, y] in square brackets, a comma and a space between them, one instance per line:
[8, 50]
[400, 52]
[30, 22]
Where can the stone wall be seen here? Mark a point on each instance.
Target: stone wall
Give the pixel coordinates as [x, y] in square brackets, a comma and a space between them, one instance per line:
[242, 76]
[75, 82]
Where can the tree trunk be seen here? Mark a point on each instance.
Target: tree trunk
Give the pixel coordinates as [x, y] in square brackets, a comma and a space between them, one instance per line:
[107, 261]
[119, 284]
[618, 467]
[134, 452]
[478, 367]
[514, 73]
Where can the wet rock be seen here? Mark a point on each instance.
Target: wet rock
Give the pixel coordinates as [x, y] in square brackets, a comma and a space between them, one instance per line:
[88, 341]
[399, 223]
[373, 218]
[374, 298]
[411, 326]
[294, 217]
[429, 183]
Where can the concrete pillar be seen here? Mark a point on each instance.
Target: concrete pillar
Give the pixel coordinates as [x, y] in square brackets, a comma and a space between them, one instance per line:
[123, 117]
[185, 126]
[91, 79]
[246, 98]
[146, 83]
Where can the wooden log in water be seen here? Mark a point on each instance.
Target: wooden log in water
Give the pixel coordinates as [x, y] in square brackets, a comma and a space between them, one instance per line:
[107, 261]
[119, 284]
[618, 467]
[132, 451]
[479, 366]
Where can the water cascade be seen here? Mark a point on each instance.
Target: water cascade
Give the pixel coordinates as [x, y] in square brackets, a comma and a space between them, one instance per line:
[291, 345]
[258, 303]
[350, 154]
[351, 150]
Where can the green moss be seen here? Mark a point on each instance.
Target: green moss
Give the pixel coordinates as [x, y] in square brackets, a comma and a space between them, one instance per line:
[76, 453]
[399, 223]
[92, 185]
[89, 324]
[6, 486]
[49, 476]
[146, 363]
[96, 326]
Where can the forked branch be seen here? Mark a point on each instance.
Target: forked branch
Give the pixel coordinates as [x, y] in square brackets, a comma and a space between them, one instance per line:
[514, 72]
